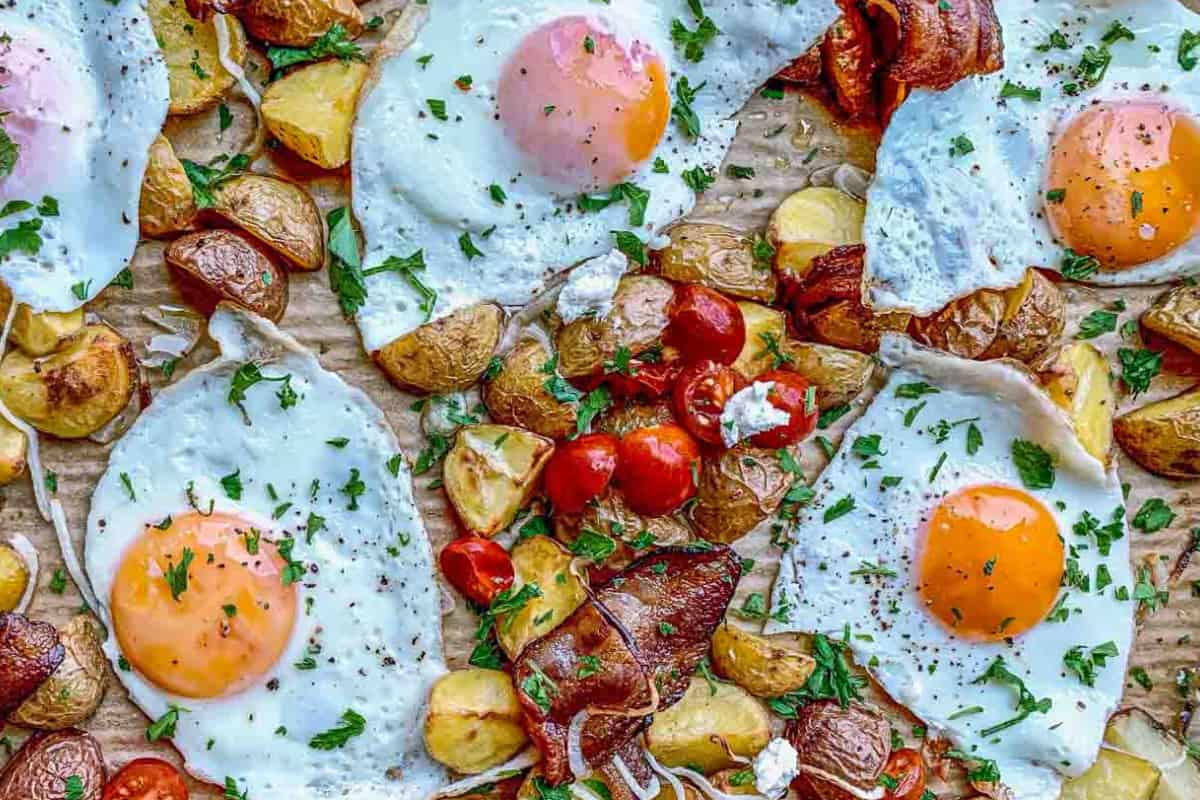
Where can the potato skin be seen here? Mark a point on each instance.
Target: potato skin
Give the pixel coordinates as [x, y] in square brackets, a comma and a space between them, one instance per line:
[738, 489]
[849, 325]
[186, 41]
[1164, 437]
[839, 375]
[73, 693]
[759, 666]
[637, 321]
[851, 743]
[684, 733]
[211, 266]
[1176, 316]
[610, 515]
[299, 23]
[311, 110]
[966, 327]
[1035, 314]
[719, 258]
[278, 213]
[446, 355]
[39, 334]
[626, 419]
[540, 560]
[40, 769]
[474, 720]
[75, 391]
[12, 453]
[29, 653]
[167, 204]
[518, 396]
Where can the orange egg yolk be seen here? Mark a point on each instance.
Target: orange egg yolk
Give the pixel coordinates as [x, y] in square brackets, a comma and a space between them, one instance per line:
[228, 625]
[585, 108]
[990, 564]
[1123, 185]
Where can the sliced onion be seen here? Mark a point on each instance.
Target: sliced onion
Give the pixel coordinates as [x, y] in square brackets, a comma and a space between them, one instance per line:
[448, 601]
[850, 179]
[676, 784]
[221, 25]
[576, 761]
[29, 555]
[876, 793]
[115, 428]
[705, 785]
[522, 760]
[70, 559]
[183, 327]
[732, 756]
[649, 793]
[33, 454]
[582, 792]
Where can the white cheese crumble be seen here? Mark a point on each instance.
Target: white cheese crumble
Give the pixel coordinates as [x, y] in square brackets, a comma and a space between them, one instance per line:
[443, 415]
[590, 287]
[774, 768]
[749, 412]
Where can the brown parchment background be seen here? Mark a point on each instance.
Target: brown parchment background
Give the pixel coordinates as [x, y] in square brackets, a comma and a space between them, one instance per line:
[782, 159]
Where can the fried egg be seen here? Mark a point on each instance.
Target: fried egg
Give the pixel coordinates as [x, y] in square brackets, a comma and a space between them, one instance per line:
[1079, 155]
[474, 144]
[962, 532]
[266, 579]
[83, 91]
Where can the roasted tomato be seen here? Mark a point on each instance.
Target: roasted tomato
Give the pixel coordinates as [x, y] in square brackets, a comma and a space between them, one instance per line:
[580, 470]
[477, 567]
[907, 773]
[700, 395]
[792, 394]
[146, 779]
[657, 468]
[641, 380]
[705, 325]
[836, 275]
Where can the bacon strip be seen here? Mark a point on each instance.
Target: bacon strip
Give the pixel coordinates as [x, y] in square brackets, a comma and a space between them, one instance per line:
[849, 61]
[937, 43]
[836, 275]
[30, 652]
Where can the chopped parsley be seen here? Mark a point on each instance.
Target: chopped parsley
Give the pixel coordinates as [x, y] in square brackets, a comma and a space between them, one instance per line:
[1034, 464]
[352, 724]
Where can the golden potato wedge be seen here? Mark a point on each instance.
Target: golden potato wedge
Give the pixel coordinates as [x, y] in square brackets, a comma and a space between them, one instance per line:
[311, 110]
[12, 456]
[761, 667]
[738, 489]
[299, 23]
[839, 375]
[75, 391]
[40, 769]
[688, 732]
[1077, 379]
[965, 328]
[637, 321]
[1035, 313]
[719, 258]
[1176, 316]
[517, 395]
[847, 324]
[1164, 437]
[278, 213]
[764, 326]
[811, 222]
[41, 333]
[190, 49]
[625, 419]
[211, 266]
[539, 560]
[474, 720]
[490, 473]
[1138, 734]
[1115, 775]
[446, 355]
[14, 578]
[167, 204]
[74, 691]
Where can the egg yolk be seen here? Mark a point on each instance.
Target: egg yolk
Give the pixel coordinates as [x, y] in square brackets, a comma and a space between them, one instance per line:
[1123, 185]
[990, 564]
[220, 630]
[586, 108]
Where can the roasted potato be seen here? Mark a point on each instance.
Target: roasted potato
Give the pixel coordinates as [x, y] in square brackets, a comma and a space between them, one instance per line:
[637, 321]
[474, 720]
[12, 457]
[1164, 437]
[211, 266]
[689, 732]
[628, 418]
[719, 258]
[1115, 775]
[76, 390]
[190, 49]
[41, 769]
[73, 693]
[853, 744]
[1034, 315]
[299, 23]
[278, 213]
[764, 326]
[610, 515]
[839, 375]
[311, 110]
[1176, 316]
[738, 489]
[41, 333]
[14, 578]
[490, 473]
[1077, 378]
[1136, 733]
[966, 327]
[810, 222]
[29, 653]
[518, 394]
[539, 560]
[446, 355]
[167, 204]
[847, 324]
[757, 664]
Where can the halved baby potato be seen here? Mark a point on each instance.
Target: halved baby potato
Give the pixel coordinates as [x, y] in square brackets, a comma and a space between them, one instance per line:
[762, 667]
[446, 355]
[1115, 775]
[167, 204]
[763, 326]
[73, 692]
[517, 395]
[636, 322]
[839, 375]
[474, 720]
[278, 213]
[299, 23]
[691, 731]
[311, 110]
[1137, 733]
[539, 560]
[1077, 378]
[12, 455]
[719, 258]
[1176, 316]
[491, 472]
[1164, 437]
[217, 265]
[190, 49]
[737, 490]
[812, 222]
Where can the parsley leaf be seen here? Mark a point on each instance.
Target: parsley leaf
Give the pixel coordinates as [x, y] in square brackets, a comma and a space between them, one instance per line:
[1154, 515]
[1138, 368]
[345, 264]
[353, 724]
[335, 42]
[1034, 464]
[693, 42]
[1097, 323]
[205, 180]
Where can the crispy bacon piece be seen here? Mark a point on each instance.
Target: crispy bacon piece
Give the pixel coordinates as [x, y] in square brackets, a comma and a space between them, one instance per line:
[836, 275]
[935, 44]
[850, 64]
[805, 70]
[29, 653]
[634, 759]
[641, 635]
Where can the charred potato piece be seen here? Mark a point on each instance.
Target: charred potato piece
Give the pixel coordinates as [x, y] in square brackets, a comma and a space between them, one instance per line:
[539, 560]
[1164, 437]
[1137, 733]
[848, 324]
[518, 394]
[167, 204]
[1077, 379]
[839, 375]
[609, 514]
[626, 419]
[852, 744]
[764, 326]
[311, 110]
[299, 23]
[45, 764]
[474, 720]
[75, 391]
[211, 266]
[688, 732]
[73, 693]
[446, 355]
[1035, 313]
[12, 458]
[190, 49]
[278, 213]
[1176, 316]
[810, 222]
[719, 258]
[39, 334]
[490, 473]
[1115, 775]
[637, 321]
[29, 653]
[738, 489]
[14, 578]
[758, 665]
[965, 328]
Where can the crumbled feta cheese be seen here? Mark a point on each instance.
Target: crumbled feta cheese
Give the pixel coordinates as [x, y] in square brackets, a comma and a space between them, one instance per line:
[774, 768]
[443, 415]
[590, 287]
[749, 412]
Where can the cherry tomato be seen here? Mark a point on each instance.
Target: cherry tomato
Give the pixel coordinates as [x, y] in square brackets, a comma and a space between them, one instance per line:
[705, 325]
[657, 468]
[580, 470]
[146, 779]
[906, 768]
[700, 395]
[477, 567]
[642, 381]
[792, 394]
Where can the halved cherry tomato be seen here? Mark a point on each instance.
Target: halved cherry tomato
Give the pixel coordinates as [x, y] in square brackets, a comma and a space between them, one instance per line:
[477, 567]
[792, 394]
[580, 470]
[657, 468]
[705, 325]
[906, 768]
[641, 380]
[700, 395]
[146, 779]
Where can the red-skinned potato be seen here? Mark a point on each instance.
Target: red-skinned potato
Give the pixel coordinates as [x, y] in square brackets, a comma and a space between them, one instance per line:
[838, 745]
[55, 766]
[29, 653]
[211, 266]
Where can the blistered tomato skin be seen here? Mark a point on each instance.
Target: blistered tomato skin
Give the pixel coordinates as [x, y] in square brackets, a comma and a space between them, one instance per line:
[657, 469]
[705, 325]
[146, 779]
[700, 396]
[580, 470]
[795, 395]
[478, 568]
[907, 770]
